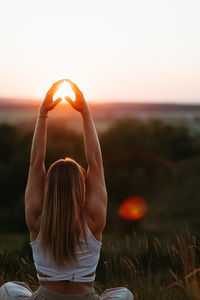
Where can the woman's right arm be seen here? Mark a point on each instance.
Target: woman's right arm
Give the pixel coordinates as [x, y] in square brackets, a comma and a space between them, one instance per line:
[96, 204]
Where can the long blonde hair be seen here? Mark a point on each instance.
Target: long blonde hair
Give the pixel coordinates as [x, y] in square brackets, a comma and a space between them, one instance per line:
[63, 215]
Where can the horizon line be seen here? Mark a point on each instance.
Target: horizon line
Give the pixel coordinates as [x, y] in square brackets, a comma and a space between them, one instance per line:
[34, 101]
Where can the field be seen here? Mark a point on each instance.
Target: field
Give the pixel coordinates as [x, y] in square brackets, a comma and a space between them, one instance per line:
[151, 267]
[156, 257]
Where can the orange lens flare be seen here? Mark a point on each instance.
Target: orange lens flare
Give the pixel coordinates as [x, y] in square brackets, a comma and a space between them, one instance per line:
[133, 208]
[63, 91]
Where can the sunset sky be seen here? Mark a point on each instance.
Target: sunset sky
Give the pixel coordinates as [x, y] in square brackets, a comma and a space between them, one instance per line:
[115, 50]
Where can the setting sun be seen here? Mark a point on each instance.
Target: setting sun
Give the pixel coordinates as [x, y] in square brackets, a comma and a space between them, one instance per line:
[133, 208]
[63, 91]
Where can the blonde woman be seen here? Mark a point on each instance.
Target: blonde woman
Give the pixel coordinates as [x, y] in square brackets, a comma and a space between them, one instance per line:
[66, 214]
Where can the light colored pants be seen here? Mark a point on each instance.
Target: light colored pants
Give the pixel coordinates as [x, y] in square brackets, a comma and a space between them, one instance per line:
[14, 290]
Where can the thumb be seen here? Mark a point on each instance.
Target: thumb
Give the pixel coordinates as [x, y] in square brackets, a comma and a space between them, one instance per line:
[69, 100]
[55, 103]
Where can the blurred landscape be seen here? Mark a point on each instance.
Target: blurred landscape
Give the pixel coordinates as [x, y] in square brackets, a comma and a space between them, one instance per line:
[24, 112]
[150, 151]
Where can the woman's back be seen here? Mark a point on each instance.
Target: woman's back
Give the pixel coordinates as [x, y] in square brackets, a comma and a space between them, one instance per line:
[87, 255]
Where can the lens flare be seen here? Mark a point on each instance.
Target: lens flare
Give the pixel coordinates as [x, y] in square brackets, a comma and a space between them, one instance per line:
[133, 208]
[63, 91]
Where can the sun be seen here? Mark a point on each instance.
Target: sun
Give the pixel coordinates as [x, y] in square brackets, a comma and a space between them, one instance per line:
[63, 91]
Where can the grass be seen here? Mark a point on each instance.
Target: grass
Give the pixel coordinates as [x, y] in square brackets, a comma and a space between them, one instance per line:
[152, 267]
[12, 241]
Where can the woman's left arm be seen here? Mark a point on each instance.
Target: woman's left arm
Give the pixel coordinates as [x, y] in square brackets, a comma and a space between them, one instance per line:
[35, 184]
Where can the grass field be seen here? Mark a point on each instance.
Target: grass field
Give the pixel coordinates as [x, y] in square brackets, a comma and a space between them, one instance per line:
[151, 267]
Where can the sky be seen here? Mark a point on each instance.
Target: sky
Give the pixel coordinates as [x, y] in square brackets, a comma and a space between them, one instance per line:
[115, 50]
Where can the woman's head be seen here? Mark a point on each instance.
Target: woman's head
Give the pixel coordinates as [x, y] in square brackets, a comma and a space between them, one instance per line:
[63, 215]
[65, 181]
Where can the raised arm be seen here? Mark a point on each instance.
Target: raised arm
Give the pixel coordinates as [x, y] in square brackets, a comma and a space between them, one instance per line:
[96, 204]
[37, 173]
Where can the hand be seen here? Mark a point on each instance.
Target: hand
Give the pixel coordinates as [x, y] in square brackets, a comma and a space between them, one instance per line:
[79, 104]
[48, 103]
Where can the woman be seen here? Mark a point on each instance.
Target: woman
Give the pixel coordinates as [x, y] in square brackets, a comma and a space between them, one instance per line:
[66, 214]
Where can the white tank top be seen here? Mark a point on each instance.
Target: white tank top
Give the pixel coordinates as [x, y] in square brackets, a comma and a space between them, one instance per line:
[87, 260]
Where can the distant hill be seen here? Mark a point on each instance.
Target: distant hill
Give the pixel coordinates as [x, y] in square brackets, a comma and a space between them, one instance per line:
[108, 106]
[105, 113]
[18, 103]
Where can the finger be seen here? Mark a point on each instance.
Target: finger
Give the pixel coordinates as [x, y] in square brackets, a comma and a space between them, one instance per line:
[55, 86]
[57, 83]
[74, 86]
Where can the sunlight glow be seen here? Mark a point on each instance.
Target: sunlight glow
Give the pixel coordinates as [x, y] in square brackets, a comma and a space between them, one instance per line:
[63, 91]
[133, 208]
[117, 51]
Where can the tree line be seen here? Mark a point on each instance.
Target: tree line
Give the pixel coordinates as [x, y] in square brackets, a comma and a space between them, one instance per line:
[153, 159]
